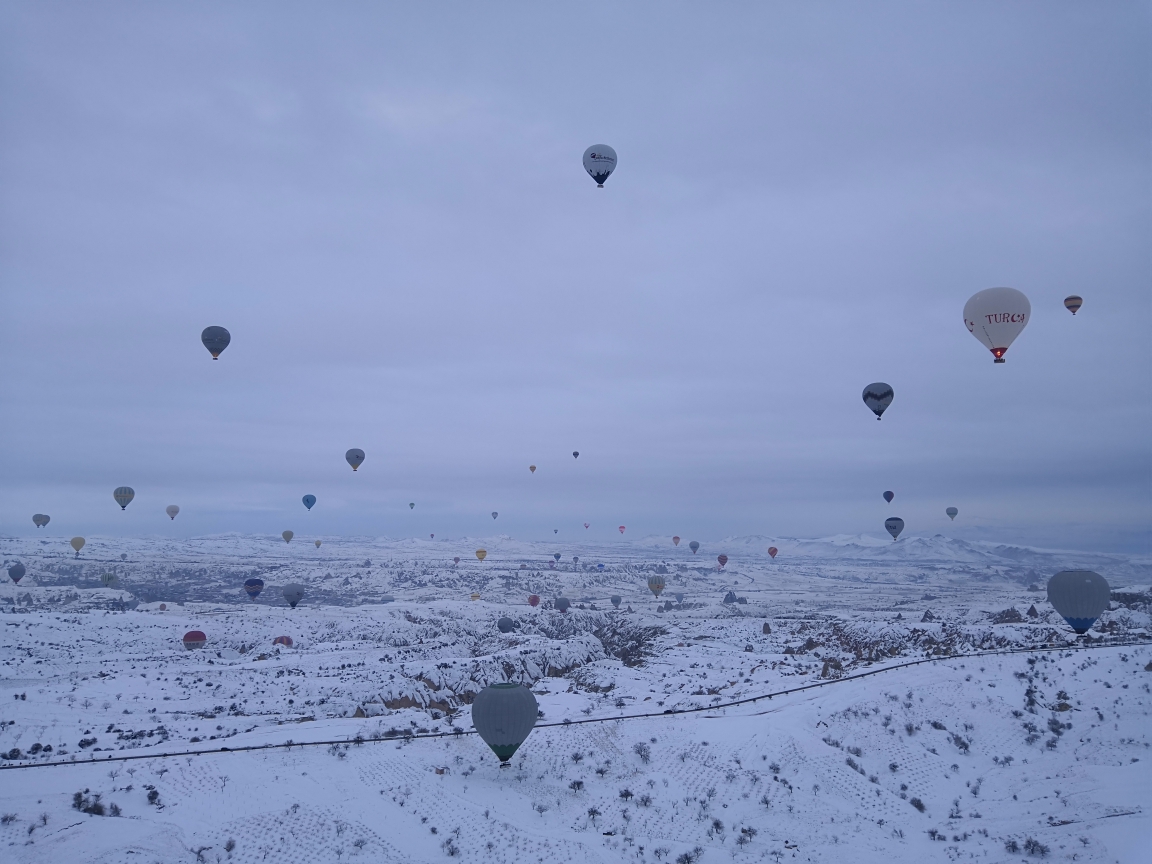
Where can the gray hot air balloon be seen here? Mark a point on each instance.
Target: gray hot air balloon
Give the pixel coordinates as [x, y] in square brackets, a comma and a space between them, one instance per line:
[124, 496]
[503, 715]
[506, 624]
[355, 457]
[172, 510]
[287, 535]
[215, 339]
[679, 597]
[16, 572]
[894, 525]
[656, 584]
[878, 397]
[293, 593]
[616, 600]
[952, 513]
[562, 603]
[693, 546]
[494, 514]
[599, 162]
[1079, 596]
[40, 520]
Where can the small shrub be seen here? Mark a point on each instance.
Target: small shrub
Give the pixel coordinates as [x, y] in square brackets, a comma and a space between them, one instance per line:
[7, 819]
[1035, 847]
[1011, 846]
[918, 804]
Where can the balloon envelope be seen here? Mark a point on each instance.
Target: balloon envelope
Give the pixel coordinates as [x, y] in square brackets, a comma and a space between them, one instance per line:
[293, 593]
[679, 597]
[16, 572]
[1080, 596]
[456, 560]
[656, 584]
[40, 520]
[556, 555]
[952, 513]
[503, 715]
[123, 495]
[888, 496]
[287, 535]
[585, 524]
[355, 457]
[215, 339]
[1073, 303]
[505, 624]
[621, 529]
[562, 603]
[194, 639]
[494, 514]
[532, 468]
[481, 554]
[533, 600]
[996, 316]
[894, 526]
[77, 543]
[309, 500]
[616, 600]
[599, 162]
[878, 396]
[723, 559]
[693, 546]
[172, 510]
[675, 541]
[317, 544]
[772, 550]
[575, 454]
[286, 641]
[253, 587]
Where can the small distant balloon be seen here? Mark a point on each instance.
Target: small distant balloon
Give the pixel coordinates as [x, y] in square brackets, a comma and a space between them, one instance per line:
[621, 529]
[599, 566]
[123, 496]
[894, 525]
[888, 496]
[317, 544]
[952, 513]
[77, 543]
[288, 535]
[40, 520]
[723, 559]
[575, 454]
[355, 457]
[586, 524]
[431, 536]
[475, 596]
[286, 641]
[679, 596]
[772, 550]
[575, 559]
[194, 639]
[253, 587]
[215, 339]
[309, 500]
[533, 600]
[1073, 303]
[878, 397]
[616, 600]
[505, 624]
[996, 316]
[656, 584]
[555, 530]
[675, 541]
[123, 556]
[693, 546]
[562, 603]
[481, 554]
[16, 572]
[411, 505]
[556, 555]
[494, 514]
[172, 510]
[456, 560]
[599, 162]
[293, 593]
[523, 566]
[532, 468]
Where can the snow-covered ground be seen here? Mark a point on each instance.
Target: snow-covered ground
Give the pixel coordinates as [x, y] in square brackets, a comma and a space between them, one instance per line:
[996, 758]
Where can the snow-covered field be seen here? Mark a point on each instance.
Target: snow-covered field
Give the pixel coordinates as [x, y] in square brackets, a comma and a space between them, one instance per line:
[1011, 756]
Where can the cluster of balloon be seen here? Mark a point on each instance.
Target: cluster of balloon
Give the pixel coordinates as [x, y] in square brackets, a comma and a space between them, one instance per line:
[533, 600]
[888, 496]
[288, 535]
[616, 600]
[562, 604]
[996, 316]
[952, 513]
[505, 624]
[599, 162]
[286, 641]
[894, 525]
[1080, 596]
[109, 579]
[723, 559]
[293, 593]
[532, 468]
[123, 496]
[16, 572]
[194, 639]
[308, 500]
[172, 510]
[656, 584]
[40, 520]
[355, 457]
[215, 339]
[503, 715]
[675, 541]
[77, 543]
[694, 546]
[1073, 303]
[481, 554]
[253, 587]
[878, 396]
[772, 550]
[621, 529]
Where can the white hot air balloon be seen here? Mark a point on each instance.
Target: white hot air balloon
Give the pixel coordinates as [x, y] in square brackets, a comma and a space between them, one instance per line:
[996, 316]
[172, 510]
[599, 162]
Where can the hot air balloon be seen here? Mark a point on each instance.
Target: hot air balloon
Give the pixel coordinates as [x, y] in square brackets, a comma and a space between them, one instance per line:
[772, 550]
[585, 524]
[287, 535]
[894, 525]
[562, 603]
[163, 607]
[523, 566]
[194, 639]
[456, 560]
[675, 541]
[286, 641]
[123, 556]
[599, 162]
[878, 396]
[621, 529]
[996, 316]
[77, 543]
[615, 600]
[431, 536]
[888, 496]
[503, 715]
[475, 596]
[317, 544]
[952, 513]
[481, 554]
[109, 579]
[215, 339]
[575, 454]
[172, 510]
[123, 496]
[253, 587]
[556, 555]
[40, 520]
[679, 597]
[308, 500]
[16, 572]
[505, 624]
[575, 559]
[555, 530]
[693, 546]
[1080, 596]
[532, 468]
[293, 593]
[1073, 303]
[599, 566]
[355, 457]
[656, 584]
[411, 505]
[494, 514]
[723, 559]
[533, 600]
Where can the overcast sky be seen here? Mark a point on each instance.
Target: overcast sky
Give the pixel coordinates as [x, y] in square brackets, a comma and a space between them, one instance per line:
[385, 205]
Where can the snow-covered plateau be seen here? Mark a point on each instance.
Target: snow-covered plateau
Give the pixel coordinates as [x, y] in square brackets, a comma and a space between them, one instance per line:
[1015, 741]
